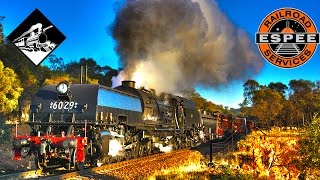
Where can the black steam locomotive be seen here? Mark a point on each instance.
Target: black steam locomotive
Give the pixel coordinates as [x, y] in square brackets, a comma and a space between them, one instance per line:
[80, 124]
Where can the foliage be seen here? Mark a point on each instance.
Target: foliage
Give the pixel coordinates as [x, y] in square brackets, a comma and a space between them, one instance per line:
[270, 154]
[66, 77]
[56, 63]
[278, 86]
[103, 74]
[287, 117]
[10, 89]
[267, 104]
[58, 78]
[300, 102]
[249, 87]
[301, 86]
[202, 104]
[34, 77]
[2, 47]
[310, 147]
[305, 97]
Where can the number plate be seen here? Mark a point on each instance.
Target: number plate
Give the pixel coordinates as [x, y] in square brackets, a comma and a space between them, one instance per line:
[63, 105]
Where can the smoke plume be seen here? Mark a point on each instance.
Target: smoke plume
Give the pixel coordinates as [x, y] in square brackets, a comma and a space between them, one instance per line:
[171, 45]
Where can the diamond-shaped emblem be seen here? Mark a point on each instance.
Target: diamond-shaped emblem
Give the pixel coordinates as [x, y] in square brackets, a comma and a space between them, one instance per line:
[36, 37]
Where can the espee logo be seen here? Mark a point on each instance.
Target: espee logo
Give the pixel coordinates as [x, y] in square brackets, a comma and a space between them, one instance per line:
[287, 38]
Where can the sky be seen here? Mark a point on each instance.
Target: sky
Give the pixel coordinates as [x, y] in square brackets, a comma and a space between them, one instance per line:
[86, 25]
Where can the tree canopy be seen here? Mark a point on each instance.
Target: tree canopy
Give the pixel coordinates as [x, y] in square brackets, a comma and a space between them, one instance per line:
[279, 104]
[10, 89]
[203, 104]
[267, 105]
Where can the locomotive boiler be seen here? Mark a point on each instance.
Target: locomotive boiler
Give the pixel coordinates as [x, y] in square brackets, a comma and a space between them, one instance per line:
[78, 124]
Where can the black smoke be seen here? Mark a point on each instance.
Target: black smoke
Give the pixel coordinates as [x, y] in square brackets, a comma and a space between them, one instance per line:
[171, 45]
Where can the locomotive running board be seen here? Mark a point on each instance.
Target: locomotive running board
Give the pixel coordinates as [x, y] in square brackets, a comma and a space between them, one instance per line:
[69, 123]
[164, 129]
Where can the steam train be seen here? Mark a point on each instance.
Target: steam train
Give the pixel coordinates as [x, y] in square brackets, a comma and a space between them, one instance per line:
[78, 124]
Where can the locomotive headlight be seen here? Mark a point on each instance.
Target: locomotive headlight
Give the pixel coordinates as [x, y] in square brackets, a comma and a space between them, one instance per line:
[64, 93]
[62, 88]
[24, 141]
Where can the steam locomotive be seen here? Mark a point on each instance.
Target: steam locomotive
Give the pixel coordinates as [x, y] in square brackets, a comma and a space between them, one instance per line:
[78, 124]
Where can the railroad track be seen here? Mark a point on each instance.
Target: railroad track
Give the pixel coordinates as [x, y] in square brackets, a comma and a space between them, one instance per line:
[90, 173]
[23, 175]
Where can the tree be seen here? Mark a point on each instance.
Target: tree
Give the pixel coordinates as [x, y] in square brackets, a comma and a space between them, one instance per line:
[266, 105]
[301, 86]
[195, 97]
[288, 114]
[303, 94]
[278, 86]
[249, 87]
[202, 104]
[56, 63]
[10, 89]
[103, 74]
[32, 76]
[66, 77]
[2, 46]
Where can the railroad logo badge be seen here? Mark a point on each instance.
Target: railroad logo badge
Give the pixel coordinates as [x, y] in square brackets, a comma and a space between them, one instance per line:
[287, 38]
[36, 37]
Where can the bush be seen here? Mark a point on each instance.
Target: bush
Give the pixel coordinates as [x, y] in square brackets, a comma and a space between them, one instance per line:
[310, 147]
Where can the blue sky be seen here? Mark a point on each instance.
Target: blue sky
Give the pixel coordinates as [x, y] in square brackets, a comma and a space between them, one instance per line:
[86, 25]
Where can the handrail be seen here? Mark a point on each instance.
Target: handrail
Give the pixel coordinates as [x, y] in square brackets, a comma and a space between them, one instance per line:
[261, 131]
[226, 144]
[225, 139]
[223, 142]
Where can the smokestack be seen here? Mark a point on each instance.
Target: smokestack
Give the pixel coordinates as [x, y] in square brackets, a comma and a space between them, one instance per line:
[131, 84]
